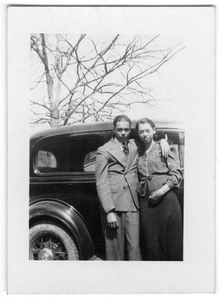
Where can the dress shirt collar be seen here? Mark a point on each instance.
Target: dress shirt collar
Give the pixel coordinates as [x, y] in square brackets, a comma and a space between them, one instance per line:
[120, 143]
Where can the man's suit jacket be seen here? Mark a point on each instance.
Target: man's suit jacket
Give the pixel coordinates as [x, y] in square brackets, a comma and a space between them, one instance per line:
[116, 177]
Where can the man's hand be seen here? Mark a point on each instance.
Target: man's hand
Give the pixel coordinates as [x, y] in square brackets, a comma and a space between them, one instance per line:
[112, 220]
[165, 148]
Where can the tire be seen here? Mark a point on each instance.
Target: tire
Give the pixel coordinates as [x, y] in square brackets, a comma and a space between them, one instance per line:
[50, 242]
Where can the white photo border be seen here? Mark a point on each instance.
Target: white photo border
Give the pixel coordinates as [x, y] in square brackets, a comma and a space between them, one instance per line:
[196, 273]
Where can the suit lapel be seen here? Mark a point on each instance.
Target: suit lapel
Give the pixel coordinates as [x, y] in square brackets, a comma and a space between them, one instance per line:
[132, 154]
[116, 152]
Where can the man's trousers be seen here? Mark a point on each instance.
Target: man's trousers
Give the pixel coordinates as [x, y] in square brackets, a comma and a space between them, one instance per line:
[124, 239]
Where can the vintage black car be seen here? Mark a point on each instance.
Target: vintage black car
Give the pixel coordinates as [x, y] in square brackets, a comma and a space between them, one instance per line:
[64, 216]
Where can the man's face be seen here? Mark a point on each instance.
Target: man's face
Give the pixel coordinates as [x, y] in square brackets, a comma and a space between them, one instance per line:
[122, 131]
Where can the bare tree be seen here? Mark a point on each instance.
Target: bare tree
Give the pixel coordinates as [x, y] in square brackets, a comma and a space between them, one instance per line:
[87, 78]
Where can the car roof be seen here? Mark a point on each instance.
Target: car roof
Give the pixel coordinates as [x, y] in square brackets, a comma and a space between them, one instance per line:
[94, 127]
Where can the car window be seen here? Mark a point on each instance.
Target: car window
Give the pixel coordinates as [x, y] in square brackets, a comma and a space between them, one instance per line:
[46, 161]
[176, 141]
[70, 154]
[89, 161]
[181, 149]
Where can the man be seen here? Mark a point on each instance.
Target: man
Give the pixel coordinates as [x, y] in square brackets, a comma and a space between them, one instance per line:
[116, 180]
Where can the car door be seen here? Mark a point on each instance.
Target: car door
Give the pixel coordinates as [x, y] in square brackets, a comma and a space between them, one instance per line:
[64, 169]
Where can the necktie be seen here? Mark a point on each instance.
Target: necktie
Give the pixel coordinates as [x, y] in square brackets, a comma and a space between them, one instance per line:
[125, 148]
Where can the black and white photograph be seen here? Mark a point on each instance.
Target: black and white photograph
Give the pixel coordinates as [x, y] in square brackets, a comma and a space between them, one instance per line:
[83, 183]
[108, 147]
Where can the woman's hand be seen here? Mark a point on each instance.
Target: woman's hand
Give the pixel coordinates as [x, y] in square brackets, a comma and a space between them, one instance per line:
[112, 220]
[156, 195]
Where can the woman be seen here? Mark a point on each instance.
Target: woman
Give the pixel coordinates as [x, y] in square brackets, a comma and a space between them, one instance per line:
[161, 219]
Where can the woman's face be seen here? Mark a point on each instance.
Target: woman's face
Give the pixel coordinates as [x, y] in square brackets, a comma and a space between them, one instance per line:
[146, 133]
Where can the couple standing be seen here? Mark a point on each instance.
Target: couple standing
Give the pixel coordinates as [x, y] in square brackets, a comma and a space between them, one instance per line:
[139, 209]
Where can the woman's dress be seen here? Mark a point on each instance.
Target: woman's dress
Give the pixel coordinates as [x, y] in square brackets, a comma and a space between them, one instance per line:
[161, 223]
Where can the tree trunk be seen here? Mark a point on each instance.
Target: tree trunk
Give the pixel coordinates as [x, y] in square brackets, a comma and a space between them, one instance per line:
[54, 115]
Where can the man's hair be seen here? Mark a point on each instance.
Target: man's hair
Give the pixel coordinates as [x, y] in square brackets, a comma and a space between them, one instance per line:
[121, 118]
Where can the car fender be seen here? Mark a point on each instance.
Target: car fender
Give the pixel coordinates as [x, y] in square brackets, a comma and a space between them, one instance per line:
[63, 214]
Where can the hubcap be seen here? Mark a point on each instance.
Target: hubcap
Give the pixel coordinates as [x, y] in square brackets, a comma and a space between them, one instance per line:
[45, 254]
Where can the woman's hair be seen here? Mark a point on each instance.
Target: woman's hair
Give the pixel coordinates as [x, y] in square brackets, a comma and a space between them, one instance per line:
[121, 118]
[144, 121]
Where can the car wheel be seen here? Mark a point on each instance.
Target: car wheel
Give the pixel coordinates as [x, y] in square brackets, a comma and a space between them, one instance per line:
[50, 242]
